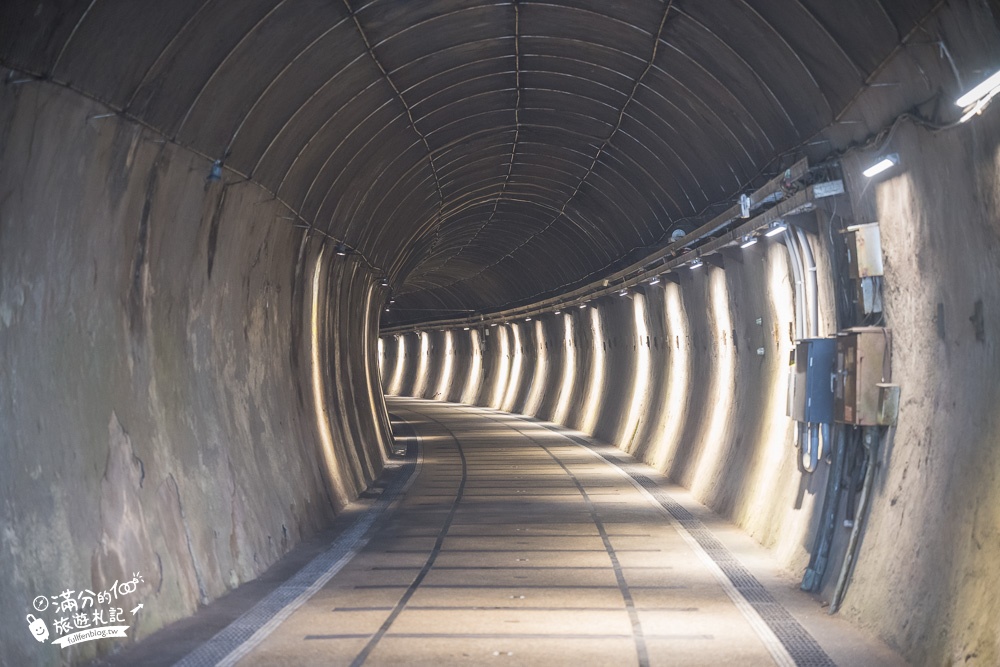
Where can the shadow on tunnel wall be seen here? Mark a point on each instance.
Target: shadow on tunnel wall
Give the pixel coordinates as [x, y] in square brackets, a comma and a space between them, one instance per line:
[188, 382]
[691, 378]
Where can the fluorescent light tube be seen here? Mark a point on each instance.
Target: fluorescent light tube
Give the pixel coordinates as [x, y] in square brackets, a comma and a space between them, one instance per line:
[776, 229]
[881, 165]
[979, 92]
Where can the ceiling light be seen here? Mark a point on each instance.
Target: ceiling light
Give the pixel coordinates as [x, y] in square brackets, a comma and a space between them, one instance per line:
[494, 324]
[527, 319]
[881, 165]
[654, 281]
[465, 329]
[776, 228]
[341, 249]
[558, 312]
[696, 263]
[985, 89]
[748, 240]
[624, 292]
[385, 282]
[583, 305]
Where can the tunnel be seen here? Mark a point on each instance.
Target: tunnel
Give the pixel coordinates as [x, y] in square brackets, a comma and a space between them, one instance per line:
[515, 332]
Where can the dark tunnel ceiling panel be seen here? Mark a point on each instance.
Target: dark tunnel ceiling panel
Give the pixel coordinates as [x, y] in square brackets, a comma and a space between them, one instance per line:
[483, 153]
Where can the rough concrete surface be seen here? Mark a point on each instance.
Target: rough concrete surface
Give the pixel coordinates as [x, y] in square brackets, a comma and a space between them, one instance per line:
[157, 412]
[673, 375]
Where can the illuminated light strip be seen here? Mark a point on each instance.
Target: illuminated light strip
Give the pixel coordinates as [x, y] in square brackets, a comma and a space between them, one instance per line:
[724, 370]
[444, 382]
[503, 360]
[679, 369]
[640, 383]
[880, 166]
[397, 374]
[517, 360]
[381, 360]
[766, 466]
[979, 92]
[534, 399]
[595, 388]
[319, 390]
[472, 385]
[421, 381]
[569, 372]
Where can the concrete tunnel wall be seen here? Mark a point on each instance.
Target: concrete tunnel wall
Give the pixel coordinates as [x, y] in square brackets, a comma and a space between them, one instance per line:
[189, 386]
[673, 375]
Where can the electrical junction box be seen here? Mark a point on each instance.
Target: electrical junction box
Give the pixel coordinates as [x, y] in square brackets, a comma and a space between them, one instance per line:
[864, 362]
[812, 394]
[864, 244]
[888, 404]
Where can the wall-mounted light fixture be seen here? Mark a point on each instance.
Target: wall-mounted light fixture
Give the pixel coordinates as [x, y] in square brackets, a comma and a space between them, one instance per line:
[341, 249]
[465, 328]
[979, 97]
[384, 282]
[624, 292]
[696, 263]
[583, 305]
[215, 173]
[654, 281]
[775, 228]
[558, 312]
[883, 164]
[527, 319]
[748, 240]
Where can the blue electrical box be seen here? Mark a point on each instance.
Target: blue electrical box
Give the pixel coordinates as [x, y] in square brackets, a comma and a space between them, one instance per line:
[815, 365]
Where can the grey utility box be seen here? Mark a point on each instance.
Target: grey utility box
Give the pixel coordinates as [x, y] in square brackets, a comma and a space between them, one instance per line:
[864, 395]
[812, 398]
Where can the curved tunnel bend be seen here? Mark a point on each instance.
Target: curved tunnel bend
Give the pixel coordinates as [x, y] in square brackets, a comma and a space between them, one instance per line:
[229, 230]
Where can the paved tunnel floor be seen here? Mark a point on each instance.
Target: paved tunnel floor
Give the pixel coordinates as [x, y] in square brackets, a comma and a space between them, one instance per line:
[514, 542]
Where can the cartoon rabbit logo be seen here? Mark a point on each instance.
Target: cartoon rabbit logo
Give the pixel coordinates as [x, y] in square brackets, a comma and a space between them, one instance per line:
[38, 628]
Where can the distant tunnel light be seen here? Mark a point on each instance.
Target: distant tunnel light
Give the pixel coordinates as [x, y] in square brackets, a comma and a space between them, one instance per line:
[880, 166]
[777, 227]
[986, 89]
[748, 241]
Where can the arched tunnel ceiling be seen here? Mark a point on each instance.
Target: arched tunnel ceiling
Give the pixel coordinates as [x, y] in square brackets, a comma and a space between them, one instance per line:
[482, 153]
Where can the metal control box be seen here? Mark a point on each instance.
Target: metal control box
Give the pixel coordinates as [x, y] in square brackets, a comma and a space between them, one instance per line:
[864, 362]
[812, 396]
[864, 245]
